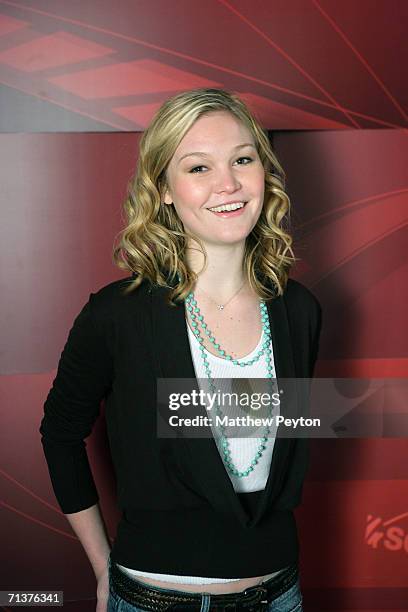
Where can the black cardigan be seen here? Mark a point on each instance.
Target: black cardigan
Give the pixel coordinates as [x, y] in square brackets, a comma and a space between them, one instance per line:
[181, 514]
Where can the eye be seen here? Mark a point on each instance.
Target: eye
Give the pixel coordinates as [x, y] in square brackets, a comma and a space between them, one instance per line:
[242, 161]
[248, 160]
[196, 169]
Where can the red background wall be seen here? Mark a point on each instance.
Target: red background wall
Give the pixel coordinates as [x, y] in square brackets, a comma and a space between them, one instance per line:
[78, 80]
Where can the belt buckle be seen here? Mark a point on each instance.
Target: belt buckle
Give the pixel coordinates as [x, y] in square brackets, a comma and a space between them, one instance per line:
[257, 595]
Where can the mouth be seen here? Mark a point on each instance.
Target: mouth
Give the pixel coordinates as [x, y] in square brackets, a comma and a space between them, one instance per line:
[229, 210]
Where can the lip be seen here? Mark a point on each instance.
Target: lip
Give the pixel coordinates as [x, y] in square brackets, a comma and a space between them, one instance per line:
[228, 214]
[226, 203]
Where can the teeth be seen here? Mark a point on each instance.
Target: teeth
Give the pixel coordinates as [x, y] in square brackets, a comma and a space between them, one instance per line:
[228, 207]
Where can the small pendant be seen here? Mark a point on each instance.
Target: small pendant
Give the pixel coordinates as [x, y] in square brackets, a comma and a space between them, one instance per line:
[220, 307]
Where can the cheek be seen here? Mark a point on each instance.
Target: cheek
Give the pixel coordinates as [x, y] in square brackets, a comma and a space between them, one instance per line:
[255, 181]
[260, 178]
[188, 193]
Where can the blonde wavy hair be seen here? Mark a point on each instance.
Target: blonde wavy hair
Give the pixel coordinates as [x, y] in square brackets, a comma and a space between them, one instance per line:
[153, 243]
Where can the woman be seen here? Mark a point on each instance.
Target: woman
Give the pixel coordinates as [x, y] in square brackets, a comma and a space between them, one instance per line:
[207, 522]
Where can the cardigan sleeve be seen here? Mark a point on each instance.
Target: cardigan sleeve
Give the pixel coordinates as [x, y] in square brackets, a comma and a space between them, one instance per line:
[316, 337]
[84, 377]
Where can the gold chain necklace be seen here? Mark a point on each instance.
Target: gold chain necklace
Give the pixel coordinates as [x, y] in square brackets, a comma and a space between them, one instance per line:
[222, 306]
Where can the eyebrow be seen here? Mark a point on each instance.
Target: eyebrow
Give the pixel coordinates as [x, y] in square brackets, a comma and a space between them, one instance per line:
[240, 146]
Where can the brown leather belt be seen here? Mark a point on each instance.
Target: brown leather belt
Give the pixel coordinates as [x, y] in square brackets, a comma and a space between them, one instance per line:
[148, 597]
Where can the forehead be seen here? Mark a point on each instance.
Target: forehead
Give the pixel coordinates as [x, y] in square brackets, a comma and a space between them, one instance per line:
[215, 130]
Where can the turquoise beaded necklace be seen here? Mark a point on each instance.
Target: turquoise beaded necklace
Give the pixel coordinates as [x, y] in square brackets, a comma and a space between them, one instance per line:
[197, 321]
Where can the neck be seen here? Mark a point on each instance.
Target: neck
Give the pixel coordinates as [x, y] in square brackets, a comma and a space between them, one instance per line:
[224, 272]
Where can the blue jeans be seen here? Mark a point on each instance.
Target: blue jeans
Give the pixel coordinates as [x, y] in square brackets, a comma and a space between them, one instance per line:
[290, 601]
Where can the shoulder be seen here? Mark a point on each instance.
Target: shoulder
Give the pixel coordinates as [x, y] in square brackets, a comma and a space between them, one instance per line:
[296, 292]
[111, 299]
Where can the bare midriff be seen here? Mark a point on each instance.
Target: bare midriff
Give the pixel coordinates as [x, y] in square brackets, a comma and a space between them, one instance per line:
[214, 587]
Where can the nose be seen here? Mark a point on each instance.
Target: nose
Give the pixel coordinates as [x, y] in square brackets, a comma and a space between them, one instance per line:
[226, 180]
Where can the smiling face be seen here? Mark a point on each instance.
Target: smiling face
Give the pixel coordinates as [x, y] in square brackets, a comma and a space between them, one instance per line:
[215, 164]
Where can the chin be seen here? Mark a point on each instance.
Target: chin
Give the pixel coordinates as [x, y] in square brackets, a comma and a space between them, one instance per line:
[235, 236]
[229, 239]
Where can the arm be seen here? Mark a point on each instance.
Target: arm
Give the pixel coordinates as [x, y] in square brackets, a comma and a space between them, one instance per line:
[90, 528]
[84, 378]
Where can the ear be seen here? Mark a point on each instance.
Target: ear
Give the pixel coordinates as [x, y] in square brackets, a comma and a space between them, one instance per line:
[167, 198]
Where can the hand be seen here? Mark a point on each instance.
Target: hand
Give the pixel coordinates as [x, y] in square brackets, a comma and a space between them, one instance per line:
[102, 591]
